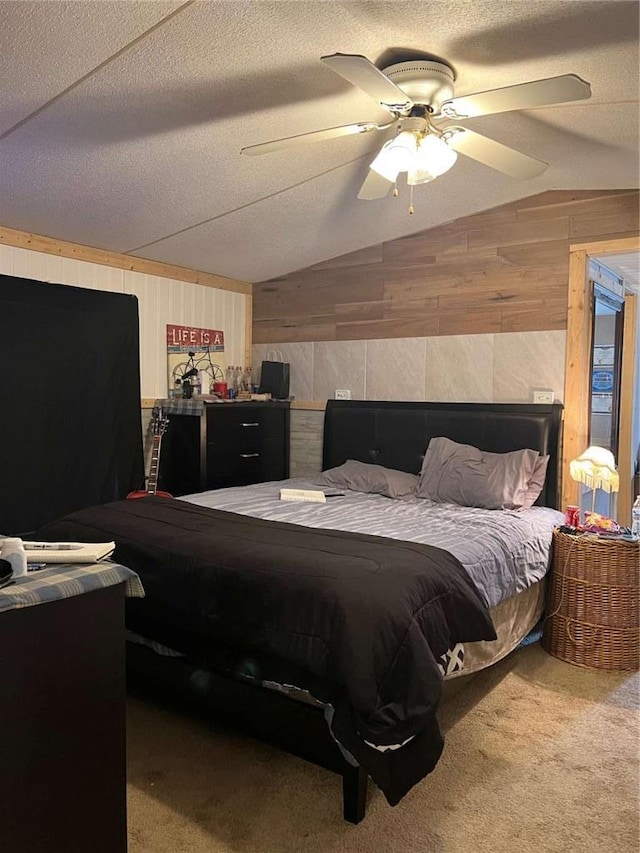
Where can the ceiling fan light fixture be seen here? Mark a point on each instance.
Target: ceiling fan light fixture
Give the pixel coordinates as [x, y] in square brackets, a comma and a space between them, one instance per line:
[417, 175]
[396, 156]
[434, 156]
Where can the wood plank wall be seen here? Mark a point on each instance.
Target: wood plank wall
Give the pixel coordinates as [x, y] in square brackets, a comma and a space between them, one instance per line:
[504, 270]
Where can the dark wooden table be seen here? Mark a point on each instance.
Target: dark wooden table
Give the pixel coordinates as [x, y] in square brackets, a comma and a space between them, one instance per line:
[62, 725]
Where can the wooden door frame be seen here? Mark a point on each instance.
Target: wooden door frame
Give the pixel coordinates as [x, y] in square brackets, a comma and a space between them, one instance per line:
[578, 371]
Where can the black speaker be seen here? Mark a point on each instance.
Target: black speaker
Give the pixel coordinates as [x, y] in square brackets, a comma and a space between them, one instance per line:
[274, 379]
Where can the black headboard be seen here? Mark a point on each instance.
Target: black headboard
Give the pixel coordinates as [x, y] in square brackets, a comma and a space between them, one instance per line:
[396, 435]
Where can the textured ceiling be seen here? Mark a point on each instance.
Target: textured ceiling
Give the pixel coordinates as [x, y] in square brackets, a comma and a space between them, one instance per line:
[121, 122]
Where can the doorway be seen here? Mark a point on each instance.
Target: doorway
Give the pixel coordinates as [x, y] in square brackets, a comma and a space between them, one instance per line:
[579, 374]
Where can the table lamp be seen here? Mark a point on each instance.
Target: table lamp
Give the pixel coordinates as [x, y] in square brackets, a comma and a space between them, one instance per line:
[596, 469]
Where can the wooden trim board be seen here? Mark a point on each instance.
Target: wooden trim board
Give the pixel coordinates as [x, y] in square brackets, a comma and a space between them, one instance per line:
[309, 405]
[577, 372]
[51, 246]
[609, 247]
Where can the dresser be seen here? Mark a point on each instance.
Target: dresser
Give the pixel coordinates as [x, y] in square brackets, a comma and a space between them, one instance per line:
[217, 445]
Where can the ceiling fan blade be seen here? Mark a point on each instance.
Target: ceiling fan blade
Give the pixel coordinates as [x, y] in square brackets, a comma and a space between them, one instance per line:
[538, 93]
[494, 154]
[364, 74]
[374, 186]
[313, 136]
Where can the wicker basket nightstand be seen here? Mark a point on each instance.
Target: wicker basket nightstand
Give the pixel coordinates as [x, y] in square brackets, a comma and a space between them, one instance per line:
[593, 614]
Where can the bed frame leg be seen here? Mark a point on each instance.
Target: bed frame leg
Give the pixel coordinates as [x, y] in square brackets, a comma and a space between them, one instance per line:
[354, 793]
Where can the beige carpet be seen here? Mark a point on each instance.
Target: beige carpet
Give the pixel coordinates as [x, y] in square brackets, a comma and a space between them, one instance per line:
[540, 756]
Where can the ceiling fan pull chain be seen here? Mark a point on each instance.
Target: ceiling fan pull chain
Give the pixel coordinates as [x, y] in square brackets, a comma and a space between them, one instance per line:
[395, 190]
[411, 200]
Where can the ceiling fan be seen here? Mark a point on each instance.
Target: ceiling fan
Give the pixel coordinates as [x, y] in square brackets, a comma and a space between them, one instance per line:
[425, 142]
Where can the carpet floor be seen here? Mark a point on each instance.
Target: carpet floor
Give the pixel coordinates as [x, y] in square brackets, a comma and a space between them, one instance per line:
[540, 756]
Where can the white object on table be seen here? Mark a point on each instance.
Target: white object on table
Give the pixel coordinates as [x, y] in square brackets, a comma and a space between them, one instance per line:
[13, 552]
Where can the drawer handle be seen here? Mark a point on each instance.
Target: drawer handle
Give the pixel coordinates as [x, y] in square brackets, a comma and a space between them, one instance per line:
[248, 455]
[249, 425]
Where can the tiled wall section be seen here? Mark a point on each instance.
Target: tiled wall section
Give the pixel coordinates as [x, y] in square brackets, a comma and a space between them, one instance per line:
[500, 368]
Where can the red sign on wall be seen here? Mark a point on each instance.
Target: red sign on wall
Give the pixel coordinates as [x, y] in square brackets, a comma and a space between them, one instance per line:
[185, 338]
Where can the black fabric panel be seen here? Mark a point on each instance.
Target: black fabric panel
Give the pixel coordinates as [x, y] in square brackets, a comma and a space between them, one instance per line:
[70, 427]
[396, 435]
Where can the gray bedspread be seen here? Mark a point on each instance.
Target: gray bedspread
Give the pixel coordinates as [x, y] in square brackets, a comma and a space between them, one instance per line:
[503, 551]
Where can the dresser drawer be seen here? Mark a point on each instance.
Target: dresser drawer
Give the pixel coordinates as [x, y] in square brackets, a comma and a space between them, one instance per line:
[263, 462]
[243, 441]
[243, 422]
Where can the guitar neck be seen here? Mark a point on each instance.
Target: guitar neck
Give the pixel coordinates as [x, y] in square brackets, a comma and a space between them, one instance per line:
[152, 482]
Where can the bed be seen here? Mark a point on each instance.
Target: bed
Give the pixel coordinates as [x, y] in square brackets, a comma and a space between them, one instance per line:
[333, 643]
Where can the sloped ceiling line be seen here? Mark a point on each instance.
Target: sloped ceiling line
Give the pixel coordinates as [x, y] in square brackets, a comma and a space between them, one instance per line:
[249, 204]
[97, 69]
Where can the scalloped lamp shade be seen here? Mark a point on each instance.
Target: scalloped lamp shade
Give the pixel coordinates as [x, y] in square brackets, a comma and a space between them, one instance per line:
[596, 469]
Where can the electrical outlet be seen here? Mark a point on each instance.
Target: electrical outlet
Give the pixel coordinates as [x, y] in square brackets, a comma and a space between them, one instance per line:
[342, 394]
[543, 396]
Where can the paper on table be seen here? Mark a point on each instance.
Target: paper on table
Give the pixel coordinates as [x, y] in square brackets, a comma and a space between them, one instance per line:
[68, 552]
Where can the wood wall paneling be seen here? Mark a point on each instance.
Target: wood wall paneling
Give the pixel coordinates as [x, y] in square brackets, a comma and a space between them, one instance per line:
[593, 225]
[387, 328]
[361, 257]
[504, 270]
[509, 230]
[535, 255]
[426, 245]
[408, 308]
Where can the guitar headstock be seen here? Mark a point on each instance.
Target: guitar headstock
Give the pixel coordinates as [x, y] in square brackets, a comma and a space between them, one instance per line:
[159, 422]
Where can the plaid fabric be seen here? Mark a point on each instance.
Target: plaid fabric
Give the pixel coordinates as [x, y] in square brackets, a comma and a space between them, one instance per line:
[65, 581]
[191, 407]
[181, 407]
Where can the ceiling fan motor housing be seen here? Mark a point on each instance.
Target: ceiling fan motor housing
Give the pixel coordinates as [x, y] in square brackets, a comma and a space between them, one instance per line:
[424, 81]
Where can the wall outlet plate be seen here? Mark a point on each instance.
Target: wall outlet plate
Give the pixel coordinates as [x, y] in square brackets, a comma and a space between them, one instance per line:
[543, 396]
[342, 394]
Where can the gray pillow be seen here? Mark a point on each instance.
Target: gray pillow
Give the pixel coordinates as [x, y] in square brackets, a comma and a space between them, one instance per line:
[536, 483]
[465, 475]
[373, 479]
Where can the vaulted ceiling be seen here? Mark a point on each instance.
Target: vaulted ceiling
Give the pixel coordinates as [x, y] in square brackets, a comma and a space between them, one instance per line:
[121, 123]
